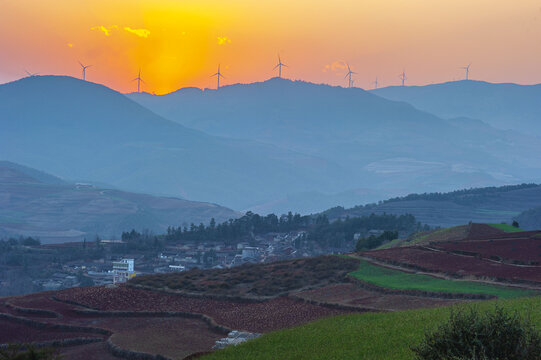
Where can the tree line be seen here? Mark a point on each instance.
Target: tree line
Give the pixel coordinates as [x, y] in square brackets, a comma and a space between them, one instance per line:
[319, 229]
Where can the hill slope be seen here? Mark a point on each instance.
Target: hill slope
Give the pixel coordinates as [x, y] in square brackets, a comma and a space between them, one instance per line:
[33, 203]
[379, 336]
[388, 146]
[482, 205]
[80, 130]
[506, 106]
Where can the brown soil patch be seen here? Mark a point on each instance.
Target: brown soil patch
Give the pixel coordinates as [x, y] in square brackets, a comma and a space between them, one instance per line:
[351, 294]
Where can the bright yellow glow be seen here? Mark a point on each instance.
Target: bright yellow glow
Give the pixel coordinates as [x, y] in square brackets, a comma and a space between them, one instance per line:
[179, 43]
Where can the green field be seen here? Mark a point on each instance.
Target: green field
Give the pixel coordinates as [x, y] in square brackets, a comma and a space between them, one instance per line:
[368, 336]
[506, 228]
[395, 279]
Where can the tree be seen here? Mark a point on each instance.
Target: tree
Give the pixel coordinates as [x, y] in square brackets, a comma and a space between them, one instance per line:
[494, 335]
[515, 224]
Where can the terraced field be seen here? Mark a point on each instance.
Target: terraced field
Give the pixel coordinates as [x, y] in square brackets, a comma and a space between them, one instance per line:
[420, 258]
[181, 315]
[395, 279]
[514, 250]
[374, 336]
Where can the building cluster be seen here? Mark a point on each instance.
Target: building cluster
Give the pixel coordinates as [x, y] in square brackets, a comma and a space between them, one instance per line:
[261, 249]
[264, 248]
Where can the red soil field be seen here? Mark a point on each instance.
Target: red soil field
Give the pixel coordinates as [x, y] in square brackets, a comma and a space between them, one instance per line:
[95, 351]
[174, 338]
[265, 316]
[352, 295]
[525, 250]
[14, 332]
[484, 231]
[441, 262]
[42, 301]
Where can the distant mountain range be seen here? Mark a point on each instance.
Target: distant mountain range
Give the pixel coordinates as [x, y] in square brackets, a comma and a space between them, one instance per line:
[33, 203]
[505, 106]
[273, 146]
[389, 147]
[84, 131]
[479, 205]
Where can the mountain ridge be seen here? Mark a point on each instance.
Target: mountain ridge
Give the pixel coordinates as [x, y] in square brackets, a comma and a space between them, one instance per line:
[63, 211]
[81, 130]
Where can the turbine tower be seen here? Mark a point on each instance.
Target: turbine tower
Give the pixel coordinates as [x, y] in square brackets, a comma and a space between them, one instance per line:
[403, 77]
[29, 73]
[350, 83]
[218, 74]
[467, 68]
[84, 69]
[279, 66]
[139, 81]
[375, 83]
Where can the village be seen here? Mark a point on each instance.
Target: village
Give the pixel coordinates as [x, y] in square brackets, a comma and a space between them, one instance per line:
[115, 268]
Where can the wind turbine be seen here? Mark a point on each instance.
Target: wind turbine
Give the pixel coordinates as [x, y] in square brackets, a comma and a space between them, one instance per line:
[467, 68]
[29, 73]
[218, 74]
[350, 83]
[84, 69]
[403, 77]
[375, 83]
[139, 81]
[279, 66]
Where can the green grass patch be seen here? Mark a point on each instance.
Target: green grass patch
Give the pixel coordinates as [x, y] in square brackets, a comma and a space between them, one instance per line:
[368, 336]
[391, 244]
[506, 228]
[395, 279]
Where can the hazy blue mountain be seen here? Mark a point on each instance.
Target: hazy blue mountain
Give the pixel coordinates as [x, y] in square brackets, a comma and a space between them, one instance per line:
[33, 203]
[479, 205]
[390, 147]
[84, 131]
[506, 106]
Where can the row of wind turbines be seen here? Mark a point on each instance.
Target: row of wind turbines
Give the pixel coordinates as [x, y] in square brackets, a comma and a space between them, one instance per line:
[278, 66]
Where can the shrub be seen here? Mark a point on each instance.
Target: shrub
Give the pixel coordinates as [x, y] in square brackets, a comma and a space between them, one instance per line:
[495, 335]
[27, 352]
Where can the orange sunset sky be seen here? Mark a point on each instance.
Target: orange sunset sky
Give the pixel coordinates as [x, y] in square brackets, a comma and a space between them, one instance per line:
[180, 43]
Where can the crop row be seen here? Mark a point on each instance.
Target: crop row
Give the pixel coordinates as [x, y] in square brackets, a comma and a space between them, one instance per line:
[518, 250]
[254, 280]
[454, 264]
[264, 316]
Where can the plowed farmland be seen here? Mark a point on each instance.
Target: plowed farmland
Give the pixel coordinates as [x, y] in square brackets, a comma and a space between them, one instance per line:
[525, 250]
[421, 258]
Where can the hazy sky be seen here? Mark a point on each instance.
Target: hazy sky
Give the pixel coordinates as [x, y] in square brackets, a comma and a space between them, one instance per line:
[180, 43]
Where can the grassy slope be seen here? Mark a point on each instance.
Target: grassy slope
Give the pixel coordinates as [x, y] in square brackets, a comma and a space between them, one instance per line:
[395, 279]
[367, 336]
[506, 228]
[438, 235]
